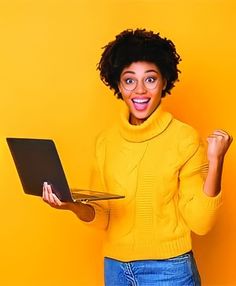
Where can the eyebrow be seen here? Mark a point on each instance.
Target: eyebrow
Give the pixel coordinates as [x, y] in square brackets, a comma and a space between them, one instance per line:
[147, 71]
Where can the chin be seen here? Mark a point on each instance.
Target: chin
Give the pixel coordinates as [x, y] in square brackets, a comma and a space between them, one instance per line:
[142, 115]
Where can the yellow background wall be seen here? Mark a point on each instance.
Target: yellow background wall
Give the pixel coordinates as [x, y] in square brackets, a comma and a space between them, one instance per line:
[49, 88]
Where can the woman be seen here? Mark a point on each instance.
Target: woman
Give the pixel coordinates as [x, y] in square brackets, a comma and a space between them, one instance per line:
[171, 184]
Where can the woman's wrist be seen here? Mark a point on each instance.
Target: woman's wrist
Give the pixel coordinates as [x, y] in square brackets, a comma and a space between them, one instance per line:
[83, 211]
[216, 165]
[212, 184]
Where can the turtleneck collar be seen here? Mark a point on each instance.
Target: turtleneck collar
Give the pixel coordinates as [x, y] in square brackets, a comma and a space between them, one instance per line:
[151, 127]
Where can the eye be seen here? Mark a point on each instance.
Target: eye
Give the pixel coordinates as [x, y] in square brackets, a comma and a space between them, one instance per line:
[150, 79]
[129, 81]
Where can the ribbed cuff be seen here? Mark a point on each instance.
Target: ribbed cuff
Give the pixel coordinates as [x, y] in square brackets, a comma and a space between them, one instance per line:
[211, 203]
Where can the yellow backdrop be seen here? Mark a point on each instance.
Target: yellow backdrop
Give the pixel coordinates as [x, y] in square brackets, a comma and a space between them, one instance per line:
[49, 88]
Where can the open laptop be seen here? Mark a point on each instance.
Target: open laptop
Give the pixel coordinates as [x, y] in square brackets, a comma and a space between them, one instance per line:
[37, 161]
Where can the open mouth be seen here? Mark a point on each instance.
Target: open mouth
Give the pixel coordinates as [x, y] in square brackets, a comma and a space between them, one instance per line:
[140, 104]
[141, 100]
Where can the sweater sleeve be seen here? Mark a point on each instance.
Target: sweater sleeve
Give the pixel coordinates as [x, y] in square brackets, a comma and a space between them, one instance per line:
[97, 184]
[198, 210]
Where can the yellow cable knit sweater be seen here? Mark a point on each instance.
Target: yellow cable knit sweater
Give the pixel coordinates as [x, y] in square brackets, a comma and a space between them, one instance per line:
[160, 166]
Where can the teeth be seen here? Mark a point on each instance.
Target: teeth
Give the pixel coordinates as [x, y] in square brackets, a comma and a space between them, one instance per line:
[139, 100]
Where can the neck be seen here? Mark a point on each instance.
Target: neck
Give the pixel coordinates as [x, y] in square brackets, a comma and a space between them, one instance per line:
[145, 129]
[136, 121]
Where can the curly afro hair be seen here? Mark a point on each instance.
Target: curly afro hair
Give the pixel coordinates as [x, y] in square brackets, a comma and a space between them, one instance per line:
[138, 45]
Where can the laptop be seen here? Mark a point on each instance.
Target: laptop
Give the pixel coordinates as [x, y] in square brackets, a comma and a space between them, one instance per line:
[37, 161]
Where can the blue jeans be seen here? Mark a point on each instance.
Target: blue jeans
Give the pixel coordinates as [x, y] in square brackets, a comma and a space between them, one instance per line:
[177, 271]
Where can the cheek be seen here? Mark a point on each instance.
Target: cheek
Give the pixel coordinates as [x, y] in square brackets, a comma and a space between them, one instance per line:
[124, 94]
[156, 95]
[125, 99]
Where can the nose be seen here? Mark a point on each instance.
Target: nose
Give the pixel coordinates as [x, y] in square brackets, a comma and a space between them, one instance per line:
[140, 88]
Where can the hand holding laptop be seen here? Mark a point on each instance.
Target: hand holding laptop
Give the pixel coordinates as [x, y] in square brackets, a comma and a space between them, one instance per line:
[37, 163]
[50, 198]
[84, 212]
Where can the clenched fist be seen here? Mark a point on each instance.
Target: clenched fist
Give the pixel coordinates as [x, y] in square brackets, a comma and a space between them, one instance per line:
[218, 144]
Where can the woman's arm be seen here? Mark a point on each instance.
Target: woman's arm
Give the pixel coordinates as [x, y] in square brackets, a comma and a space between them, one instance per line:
[218, 144]
[200, 179]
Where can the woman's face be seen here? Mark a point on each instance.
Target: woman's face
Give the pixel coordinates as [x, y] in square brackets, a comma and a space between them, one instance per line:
[141, 86]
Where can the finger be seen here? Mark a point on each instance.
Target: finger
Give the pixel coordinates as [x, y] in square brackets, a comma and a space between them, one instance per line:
[212, 137]
[51, 199]
[45, 192]
[218, 133]
[215, 139]
[220, 137]
[49, 188]
[56, 200]
[48, 193]
[215, 135]
[223, 133]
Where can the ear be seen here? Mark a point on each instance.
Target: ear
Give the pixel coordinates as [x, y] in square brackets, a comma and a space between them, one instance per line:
[119, 87]
[120, 94]
[165, 84]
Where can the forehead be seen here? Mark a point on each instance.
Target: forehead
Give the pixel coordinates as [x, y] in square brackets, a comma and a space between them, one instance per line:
[140, 68]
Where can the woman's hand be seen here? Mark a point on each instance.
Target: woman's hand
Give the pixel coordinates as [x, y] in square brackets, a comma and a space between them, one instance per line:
[218, 144]
[50, 198]
[83, 211]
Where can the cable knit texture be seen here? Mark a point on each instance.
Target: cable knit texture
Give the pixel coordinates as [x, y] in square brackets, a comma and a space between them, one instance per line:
[160, 166]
